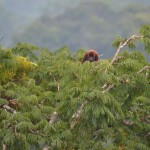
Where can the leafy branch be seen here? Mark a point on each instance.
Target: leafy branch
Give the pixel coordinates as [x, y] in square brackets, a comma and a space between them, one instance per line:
[122, 44]
[78, 114]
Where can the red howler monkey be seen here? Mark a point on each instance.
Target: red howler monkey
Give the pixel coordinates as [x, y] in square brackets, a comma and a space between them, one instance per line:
[90, 56]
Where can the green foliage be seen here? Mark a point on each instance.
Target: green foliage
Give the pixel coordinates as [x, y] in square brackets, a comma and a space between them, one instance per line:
[145, 30]
[26, 50]
[112, 118]
[117, 42]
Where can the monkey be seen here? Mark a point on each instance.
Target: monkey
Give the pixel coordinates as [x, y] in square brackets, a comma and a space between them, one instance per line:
[90, 56]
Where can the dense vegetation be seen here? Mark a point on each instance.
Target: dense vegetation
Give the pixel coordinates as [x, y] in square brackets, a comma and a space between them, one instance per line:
[49, 99]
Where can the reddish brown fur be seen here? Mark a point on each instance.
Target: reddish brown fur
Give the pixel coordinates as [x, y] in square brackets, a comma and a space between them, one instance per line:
[90, 53]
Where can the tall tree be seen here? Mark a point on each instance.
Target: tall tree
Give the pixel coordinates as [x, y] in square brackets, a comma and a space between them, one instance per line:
[52, 101]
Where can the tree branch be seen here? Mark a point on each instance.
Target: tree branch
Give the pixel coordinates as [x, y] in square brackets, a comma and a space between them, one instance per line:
[53, 117]
[148, 134]
[9, 109]
[123, 44]
[144, 69]
[77, 115]
[53, 120]
[37, 132]
[128, 123]
[109, 88]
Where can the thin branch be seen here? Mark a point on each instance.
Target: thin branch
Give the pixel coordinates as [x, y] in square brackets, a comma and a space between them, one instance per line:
[128, 123]
[77, 115]
[52, 121]
[109, 88]
[9, 109]
[104, 86]
[144, 69]
[42, 102]
[97, 132]
[148, 134]
[54, 115]
[2, 38]
[58, 86]
[37, 132]
[100, 55]
[132, 123]
[53, 118]
[123, 44]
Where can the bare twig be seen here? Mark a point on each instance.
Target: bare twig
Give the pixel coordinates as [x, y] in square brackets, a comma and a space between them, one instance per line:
[77, 115]
[2, 38]
[128, 123]
[108, 88]
[97, 132]
[104, 86]
[144, 69]
[42, 102]
[132, 123]
[100, 55]
[124, 43]
[37, 132]
[148, 134]
[58, 86]
[53, 118]
[54, 115]
[9, 109]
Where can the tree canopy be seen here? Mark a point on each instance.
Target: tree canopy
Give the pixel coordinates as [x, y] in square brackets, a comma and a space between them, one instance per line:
[50, 100]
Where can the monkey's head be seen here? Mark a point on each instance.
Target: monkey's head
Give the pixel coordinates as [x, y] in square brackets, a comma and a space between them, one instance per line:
[91, 56]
